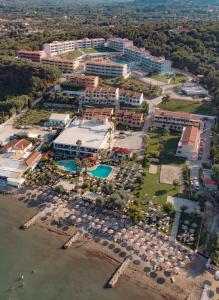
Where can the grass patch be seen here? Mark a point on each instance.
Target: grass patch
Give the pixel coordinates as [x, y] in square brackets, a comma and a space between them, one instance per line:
[178, 78]
[34, 117]
[202, 108]
[160, 78]
[133, 85]
[71, 54]
[152, 187]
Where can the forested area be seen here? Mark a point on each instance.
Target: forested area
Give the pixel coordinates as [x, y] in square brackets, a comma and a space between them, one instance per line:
[20, 81]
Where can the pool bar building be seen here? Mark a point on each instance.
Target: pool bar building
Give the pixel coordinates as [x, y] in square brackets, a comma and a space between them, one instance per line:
[84, 138]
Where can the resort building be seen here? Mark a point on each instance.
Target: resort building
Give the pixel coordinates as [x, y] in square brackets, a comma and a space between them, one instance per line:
[94, 135]
[63, 64]
[134, 53]
[119, 44]
[130, 97]
[82, 80]
[35, 56]
[175, 120]
[193, 89]
[188, 145]
[15, 159]
[58, 47]
[101, 95]
[92, 113]
[129, 118]
[156, 64]
[58, 120]
[105, 68]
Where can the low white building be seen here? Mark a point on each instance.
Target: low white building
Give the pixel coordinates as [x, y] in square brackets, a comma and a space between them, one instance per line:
[58, 120]
[130, 97]
[188, 145]
[93, 135]
[101, 95]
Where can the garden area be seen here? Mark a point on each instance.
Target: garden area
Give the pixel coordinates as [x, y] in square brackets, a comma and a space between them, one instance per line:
[192, 107]
[175, 79]
[33, 117]
[71, 54]
[133, 85]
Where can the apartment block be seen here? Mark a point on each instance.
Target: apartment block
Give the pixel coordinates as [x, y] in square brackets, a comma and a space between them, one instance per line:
[130, 97]
[35, 56]
[129, 118]
[119, 44]
[156, 64]
[101, 95]
[84, 80]
[58, 47]
[134, 53]
[175, 120]
[103, 68]
[95, 113]
[63, 64]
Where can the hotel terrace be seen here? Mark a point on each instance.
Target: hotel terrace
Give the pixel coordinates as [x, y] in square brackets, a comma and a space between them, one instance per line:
[83, 80]
[15, 159]
[92, 113]
[188, 145]
[106, 68]
[175, 120]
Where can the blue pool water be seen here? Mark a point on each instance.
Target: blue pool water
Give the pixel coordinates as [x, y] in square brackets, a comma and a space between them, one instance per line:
[68, 165]
[101, 171]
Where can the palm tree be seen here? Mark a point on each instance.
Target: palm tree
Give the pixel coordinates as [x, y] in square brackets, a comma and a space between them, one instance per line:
[78, 143]
[110, 132]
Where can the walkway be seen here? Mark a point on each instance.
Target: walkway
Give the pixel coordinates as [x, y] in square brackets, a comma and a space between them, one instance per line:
[175, 224]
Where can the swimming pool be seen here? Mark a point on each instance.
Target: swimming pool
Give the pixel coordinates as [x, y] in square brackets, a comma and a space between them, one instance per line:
[68, 165]
[101, 171]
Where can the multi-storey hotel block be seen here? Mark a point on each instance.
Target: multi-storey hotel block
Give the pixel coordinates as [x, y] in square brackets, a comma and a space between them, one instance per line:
[103, 68]
[83, 80]
[175, 120]
[35, 56]
[129, 118]
[92, 113]
[58, 47]
[130, 97]
[188, 145]
[119, 44]
[63, 64]
[144, 58]
[101, 95]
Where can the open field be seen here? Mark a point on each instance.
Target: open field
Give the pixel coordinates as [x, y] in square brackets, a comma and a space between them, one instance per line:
[33, 117]
[170, 173]
[202, 108]
[152, 187]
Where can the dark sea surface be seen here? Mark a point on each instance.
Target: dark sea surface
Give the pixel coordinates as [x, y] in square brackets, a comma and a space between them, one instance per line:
[60, 275]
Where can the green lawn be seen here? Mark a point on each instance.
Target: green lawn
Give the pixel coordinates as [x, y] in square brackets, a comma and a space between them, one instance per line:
[160, 78]
[34, 117]
[153, 187]
[165, 146]
[176, 79]
[192, 107]
[71, 54]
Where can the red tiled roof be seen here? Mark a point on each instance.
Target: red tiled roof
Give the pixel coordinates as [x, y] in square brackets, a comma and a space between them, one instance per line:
[119, 150]
[208, 181]
[32, 158]
[176, 114]
[190, 135]
[16, 145]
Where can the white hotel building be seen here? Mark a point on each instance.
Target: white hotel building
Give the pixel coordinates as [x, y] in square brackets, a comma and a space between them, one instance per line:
[119, 44]
[93, 134]
[58, 47]
[103, 68]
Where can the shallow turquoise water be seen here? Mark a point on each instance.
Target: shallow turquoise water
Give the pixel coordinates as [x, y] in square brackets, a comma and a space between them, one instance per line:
[60, 274]
[101, 171]
[69, 165]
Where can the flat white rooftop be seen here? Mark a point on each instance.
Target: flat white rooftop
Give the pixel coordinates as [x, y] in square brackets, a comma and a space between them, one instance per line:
[59, 117]
[91, 133]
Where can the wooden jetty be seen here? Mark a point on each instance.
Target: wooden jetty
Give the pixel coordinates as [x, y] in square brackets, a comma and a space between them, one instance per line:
[115, 277]
[72, 239]
[33, 219]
